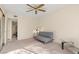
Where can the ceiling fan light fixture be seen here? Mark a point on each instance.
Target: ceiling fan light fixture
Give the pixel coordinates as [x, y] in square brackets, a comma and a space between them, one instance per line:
[36, 8]
[15, 16]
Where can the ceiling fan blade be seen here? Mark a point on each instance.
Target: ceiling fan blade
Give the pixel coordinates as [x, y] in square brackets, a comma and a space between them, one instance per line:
[30, 6]
[35, 11]
[40, 6]
[42, 10]
[30, 10]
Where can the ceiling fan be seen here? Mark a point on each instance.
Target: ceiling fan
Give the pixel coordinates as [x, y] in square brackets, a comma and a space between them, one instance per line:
[36, 8]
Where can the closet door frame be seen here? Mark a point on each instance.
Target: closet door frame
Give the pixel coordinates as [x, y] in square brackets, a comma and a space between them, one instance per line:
[0, 34]
[2, 28]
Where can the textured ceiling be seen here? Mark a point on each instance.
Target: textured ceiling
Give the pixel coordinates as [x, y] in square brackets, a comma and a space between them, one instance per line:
[20, 9]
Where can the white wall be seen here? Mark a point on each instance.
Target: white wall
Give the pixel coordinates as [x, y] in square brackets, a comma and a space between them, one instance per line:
[64, 23]
[26, 26]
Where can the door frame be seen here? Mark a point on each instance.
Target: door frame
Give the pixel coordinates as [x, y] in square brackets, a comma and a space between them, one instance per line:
[9, 27]
[2, 26]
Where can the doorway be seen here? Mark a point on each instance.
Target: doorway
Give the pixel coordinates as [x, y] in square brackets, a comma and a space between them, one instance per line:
[14, 30]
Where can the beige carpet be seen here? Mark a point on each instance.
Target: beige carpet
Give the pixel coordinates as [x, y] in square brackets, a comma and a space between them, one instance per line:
[31, 49]
[36, 48]
[31, 46]
[19, 51]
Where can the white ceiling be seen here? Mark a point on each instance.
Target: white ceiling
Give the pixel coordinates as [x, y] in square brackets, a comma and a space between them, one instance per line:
[20, 9]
